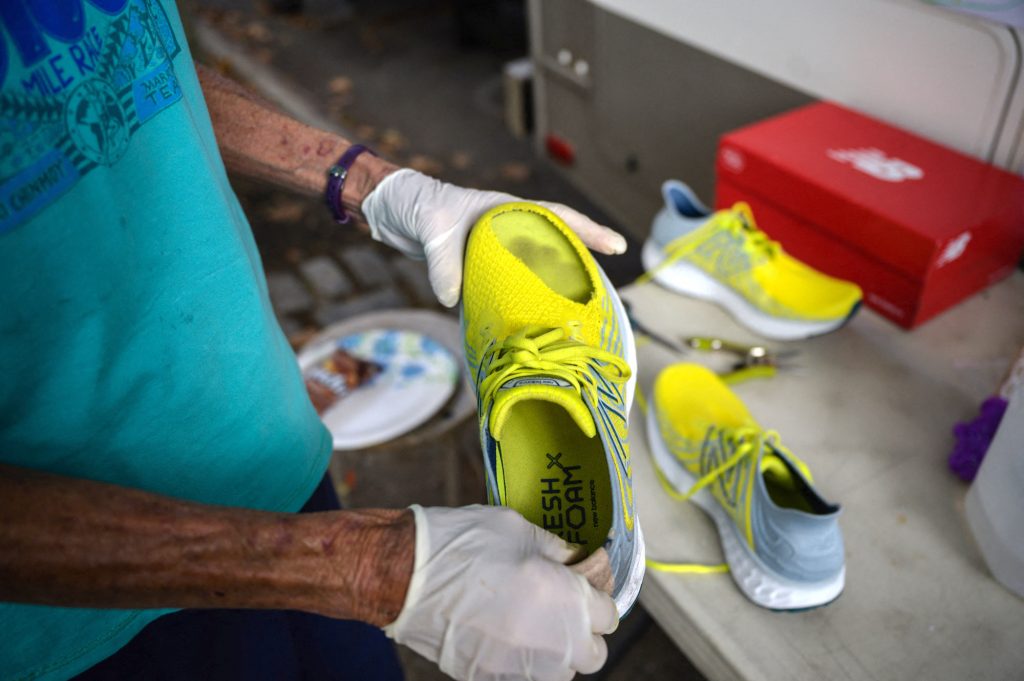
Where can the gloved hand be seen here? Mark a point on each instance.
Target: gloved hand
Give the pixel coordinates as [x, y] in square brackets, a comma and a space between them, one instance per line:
[491, 598]
[425, 218]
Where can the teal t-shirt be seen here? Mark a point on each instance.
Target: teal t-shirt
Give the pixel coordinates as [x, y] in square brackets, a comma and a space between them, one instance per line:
[137, 341]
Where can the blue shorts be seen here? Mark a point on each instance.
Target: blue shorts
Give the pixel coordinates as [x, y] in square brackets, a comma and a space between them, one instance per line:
[254, 645]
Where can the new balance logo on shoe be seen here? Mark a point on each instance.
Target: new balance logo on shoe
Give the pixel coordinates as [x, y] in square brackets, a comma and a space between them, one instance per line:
[874, 162]
[536, 380]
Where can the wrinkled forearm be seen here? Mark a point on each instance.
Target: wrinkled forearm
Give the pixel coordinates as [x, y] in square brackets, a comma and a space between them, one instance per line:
[257, 140]
[66, 541]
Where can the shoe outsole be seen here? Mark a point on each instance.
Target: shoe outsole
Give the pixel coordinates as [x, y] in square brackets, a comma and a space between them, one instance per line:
[692, 281]
[758, 582]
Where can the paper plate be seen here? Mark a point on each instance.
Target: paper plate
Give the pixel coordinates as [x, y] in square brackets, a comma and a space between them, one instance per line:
[418, 377]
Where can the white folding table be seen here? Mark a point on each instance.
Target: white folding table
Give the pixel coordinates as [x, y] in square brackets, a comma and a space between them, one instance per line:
[870, 408]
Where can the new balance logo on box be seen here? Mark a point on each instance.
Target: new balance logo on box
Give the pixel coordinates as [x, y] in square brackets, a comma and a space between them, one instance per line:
[875, 163]
[954, 249]
[733, 160]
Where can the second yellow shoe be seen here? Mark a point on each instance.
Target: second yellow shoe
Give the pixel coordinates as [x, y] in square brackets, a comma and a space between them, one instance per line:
[723, 257]
[780, 537]
[550, 353]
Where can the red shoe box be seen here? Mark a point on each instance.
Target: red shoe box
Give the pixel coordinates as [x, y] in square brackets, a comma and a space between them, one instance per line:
[918, 226]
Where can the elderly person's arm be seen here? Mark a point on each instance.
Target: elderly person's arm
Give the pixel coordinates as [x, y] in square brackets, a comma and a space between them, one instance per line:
[479, 590]
[257, 140]
[415, 214]
[74, 542]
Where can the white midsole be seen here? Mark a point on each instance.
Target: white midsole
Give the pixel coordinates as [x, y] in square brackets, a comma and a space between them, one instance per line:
[638, 566]
[757, 581]
[631, 590]
[689, 280]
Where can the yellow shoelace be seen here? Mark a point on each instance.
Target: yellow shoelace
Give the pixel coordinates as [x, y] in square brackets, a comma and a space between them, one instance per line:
[553, 352]
[747, 441]
[739, 220]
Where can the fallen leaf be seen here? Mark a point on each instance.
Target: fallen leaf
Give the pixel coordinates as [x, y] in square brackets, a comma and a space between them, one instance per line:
[341, 85]
[426, 165]
[515, 172]
[336, 107]
[259, 32]
[391, 142]
[224, 67]
[367, 133]
[285, 210]
[264, 55]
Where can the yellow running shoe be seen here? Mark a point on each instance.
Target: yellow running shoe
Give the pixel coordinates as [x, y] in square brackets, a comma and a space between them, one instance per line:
[725, 258]
[781, 539]
[551, 355]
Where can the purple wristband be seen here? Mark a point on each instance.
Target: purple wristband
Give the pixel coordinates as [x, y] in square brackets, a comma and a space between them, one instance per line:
[336, 176]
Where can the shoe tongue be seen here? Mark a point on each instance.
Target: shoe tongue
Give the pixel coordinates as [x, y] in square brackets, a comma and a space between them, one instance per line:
[544, 388]
[776, 465]
[773, 465]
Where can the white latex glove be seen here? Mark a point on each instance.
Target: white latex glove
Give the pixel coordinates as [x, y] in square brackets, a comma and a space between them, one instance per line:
[425, 218]
[490, 598]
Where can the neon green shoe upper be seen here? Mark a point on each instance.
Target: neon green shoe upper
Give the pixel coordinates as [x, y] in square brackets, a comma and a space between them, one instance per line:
[729, 247]
[546, 351]
[786, 528]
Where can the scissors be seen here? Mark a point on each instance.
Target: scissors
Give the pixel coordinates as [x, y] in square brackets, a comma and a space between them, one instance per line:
[752, 361]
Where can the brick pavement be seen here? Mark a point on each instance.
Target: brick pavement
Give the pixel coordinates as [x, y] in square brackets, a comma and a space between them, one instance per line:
[324, 289]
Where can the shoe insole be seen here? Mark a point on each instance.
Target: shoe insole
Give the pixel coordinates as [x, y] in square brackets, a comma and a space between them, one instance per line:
[787, 489]
[556, 476]
[546, 251]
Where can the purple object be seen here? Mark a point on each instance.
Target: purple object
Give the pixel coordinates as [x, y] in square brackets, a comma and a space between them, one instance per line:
[974, 437]
[336, 175]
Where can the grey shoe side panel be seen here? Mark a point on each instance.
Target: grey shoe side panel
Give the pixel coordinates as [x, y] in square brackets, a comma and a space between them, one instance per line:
[668, 226]
[797, 545]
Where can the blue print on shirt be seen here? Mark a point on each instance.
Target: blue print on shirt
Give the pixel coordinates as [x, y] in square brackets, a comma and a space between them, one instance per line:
[78, 78]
